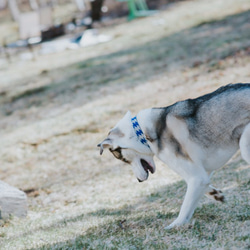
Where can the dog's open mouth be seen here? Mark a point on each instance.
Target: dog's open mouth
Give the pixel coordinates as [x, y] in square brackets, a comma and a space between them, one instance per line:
[147, 167]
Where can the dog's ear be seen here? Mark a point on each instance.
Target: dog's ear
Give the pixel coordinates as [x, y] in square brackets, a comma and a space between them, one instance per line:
[117, 134]
[107, 143]
[125, 122]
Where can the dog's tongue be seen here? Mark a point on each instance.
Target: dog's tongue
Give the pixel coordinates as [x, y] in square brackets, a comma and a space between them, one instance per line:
[147, 166]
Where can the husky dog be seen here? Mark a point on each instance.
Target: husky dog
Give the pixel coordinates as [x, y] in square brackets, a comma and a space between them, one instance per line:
[193, 137]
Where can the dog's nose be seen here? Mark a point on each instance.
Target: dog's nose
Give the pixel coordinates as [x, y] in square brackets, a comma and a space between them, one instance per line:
[139, 180]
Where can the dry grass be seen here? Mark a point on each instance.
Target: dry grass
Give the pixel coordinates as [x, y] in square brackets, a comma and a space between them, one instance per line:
[56, 109]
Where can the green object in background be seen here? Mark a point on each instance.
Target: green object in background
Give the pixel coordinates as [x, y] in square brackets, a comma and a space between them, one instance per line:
[137, 8]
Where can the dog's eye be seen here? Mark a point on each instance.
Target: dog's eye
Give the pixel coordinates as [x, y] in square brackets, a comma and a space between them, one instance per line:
[117, 153]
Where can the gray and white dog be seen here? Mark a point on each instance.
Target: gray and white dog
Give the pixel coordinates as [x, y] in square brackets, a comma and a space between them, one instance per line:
[193, 137]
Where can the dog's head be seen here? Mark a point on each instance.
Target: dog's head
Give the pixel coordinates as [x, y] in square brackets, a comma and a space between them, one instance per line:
[125, 145]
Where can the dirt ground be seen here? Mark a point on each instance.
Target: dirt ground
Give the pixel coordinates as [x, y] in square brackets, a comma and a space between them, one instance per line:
[56, 108]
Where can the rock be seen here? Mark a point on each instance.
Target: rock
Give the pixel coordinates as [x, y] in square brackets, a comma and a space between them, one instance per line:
[12, 201]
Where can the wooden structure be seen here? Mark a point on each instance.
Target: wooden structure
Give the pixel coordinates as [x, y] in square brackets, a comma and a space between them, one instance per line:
[29, 25]
[32, 22]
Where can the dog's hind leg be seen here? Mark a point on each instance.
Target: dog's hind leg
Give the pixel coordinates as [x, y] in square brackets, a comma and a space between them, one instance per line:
[245, 144]
[215, 194]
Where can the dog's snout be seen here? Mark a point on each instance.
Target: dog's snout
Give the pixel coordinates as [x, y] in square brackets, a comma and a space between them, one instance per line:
[139, 180]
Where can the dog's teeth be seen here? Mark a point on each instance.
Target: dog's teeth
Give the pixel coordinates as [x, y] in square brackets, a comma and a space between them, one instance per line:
[101, 148]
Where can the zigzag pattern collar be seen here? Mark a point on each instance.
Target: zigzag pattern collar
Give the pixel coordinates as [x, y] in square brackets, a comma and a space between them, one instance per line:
[140, 135]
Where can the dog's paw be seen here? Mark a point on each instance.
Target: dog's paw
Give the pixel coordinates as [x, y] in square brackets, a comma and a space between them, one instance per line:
[174, 224]
[169, 226]
[178, 225]
[217, 195]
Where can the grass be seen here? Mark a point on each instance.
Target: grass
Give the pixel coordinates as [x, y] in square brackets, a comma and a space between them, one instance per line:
[55, 110]
[206, 43]
[214, 225]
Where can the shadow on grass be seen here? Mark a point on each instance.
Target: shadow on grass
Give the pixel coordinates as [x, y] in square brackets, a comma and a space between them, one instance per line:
[123, 222]
[205, 44]
[141, 225]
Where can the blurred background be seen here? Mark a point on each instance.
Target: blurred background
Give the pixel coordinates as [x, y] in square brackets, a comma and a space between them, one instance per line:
[69, 70]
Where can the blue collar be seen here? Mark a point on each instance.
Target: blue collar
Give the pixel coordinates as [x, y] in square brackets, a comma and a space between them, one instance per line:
[140, 135]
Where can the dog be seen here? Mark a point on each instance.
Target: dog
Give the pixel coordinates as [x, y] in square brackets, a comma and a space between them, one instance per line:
[193, 137]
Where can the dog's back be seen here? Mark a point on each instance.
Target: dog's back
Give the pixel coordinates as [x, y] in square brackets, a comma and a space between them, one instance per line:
[218, 117]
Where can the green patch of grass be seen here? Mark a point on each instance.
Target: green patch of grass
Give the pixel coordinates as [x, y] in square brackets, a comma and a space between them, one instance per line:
[29, 92]
[123, 211]
[245, 184]
[168, 192]
[243, 238]
[131, 228]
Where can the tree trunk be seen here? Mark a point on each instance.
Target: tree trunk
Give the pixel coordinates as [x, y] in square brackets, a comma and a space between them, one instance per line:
[3, 4]
[34, 5]
[80, 4]
[14, 9]
[96, 10]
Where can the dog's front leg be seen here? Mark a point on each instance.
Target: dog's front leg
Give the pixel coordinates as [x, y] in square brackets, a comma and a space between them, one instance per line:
[196, 187]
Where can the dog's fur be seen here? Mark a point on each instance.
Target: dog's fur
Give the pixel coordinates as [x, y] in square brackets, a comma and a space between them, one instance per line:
[193, 137]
